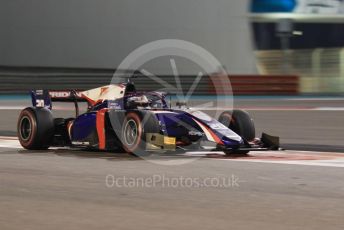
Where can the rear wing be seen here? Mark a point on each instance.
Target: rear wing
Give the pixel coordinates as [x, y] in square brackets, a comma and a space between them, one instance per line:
[44, 98]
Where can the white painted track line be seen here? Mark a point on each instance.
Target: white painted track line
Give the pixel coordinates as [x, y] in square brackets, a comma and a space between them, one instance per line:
[293, 158]
[10, 143]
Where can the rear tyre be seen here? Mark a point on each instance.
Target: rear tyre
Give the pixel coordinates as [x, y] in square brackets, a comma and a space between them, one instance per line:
[242, 124]
[35, 128]
[132, 132]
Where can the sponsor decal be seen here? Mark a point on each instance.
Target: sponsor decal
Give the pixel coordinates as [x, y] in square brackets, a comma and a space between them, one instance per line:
[63, 94]
[217, 126]
[80, 143]
[39, 92]
[59, 94]
[114, 105]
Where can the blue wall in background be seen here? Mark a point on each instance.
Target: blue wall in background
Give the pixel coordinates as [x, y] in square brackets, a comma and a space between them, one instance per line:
[269, 6]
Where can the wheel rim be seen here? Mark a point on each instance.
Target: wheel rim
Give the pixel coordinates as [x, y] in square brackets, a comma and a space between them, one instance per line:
[130, 132]
[25, 128]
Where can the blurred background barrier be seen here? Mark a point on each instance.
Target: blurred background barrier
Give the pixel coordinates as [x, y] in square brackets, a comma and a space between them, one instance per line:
[257, 85]
[23, 79]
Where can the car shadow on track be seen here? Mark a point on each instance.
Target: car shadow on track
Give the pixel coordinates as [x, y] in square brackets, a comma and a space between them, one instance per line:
[117, 156]
[80, 154]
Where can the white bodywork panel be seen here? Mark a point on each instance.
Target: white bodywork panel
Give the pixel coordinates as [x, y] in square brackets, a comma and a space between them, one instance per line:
[108, 92]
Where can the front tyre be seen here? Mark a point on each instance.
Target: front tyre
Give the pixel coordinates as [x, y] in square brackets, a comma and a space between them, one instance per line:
[35, 128]
[242, 124]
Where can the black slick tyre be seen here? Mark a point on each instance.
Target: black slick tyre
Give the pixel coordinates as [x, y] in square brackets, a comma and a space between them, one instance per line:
[35, 128]
[242, 124]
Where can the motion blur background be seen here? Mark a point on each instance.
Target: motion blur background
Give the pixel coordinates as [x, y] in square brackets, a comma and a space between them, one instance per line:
[87, 39]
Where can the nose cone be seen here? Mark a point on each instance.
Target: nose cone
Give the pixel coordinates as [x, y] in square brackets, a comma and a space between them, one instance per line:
[233, 140]
[229, 135]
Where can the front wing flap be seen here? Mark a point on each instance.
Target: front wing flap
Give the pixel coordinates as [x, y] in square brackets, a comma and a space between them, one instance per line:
[265, 143]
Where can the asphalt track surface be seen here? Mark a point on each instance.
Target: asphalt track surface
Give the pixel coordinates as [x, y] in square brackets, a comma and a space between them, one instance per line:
[292, 189]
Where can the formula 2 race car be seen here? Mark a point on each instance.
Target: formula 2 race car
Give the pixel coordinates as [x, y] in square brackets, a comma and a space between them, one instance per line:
[120, 118]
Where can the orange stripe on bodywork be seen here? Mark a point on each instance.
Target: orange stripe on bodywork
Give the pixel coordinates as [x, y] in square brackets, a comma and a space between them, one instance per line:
[100, 123]
[210, 132]
[216, 138]
[89, 100]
